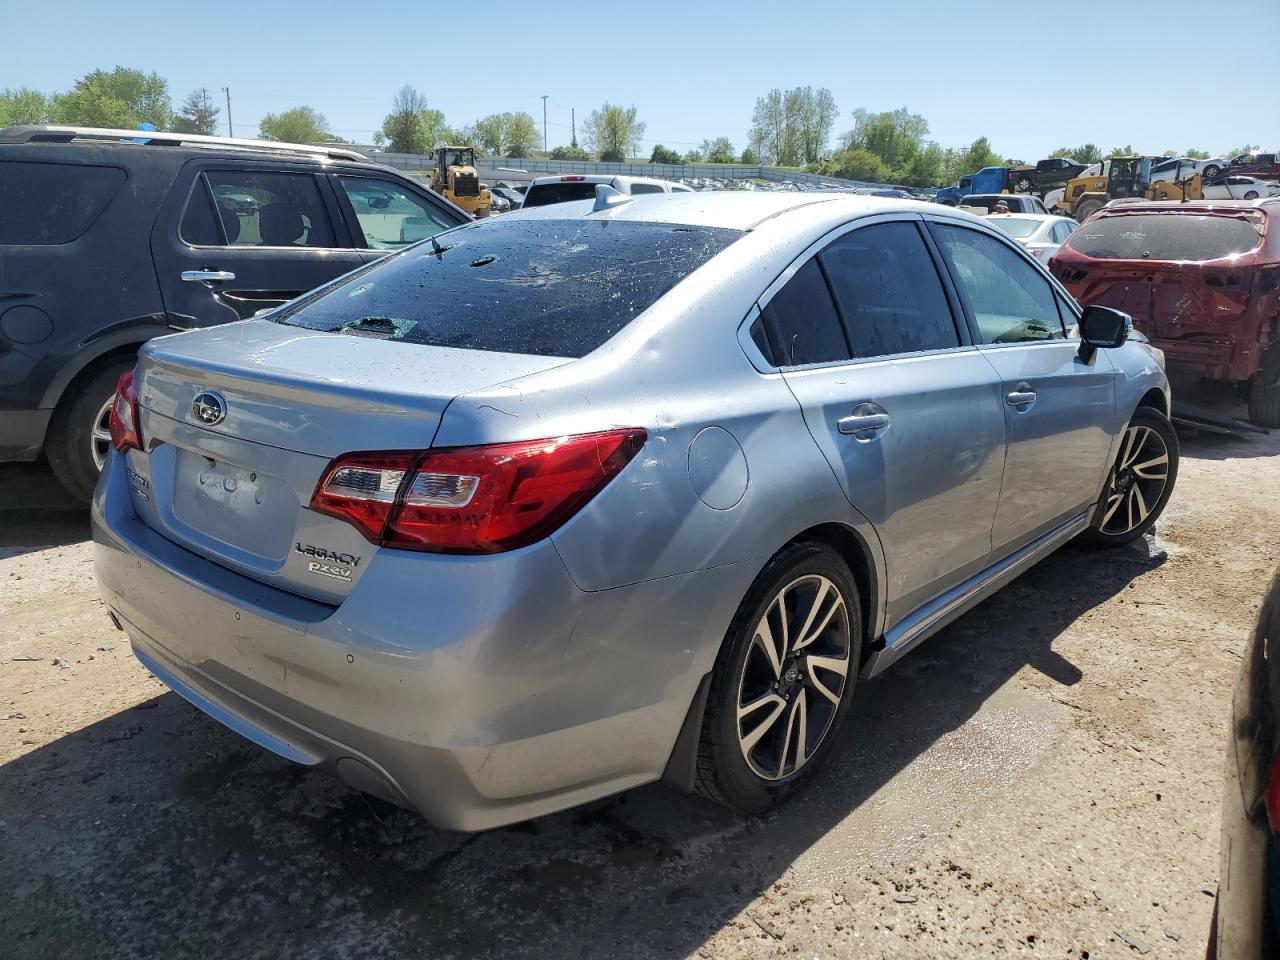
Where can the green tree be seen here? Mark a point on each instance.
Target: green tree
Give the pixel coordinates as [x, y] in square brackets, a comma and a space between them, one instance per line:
[897, 139]
[1125, 151]
[23, 106]
[1194, 154]
[663, 154]
[123, 97]
[749, 158]
[297, 125]
[406, 126]
[857, 163]
[491, 133]
[972, 158]
[522, 137]
[198, 114]
[719, 150]
[572, 152]
[613, 132]
[693, 155]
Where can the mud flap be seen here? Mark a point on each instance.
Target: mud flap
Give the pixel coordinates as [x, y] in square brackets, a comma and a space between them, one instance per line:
[682, 765]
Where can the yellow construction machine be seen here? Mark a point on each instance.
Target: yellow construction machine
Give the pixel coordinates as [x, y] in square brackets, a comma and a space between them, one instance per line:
[1124, 178]
[455, 177]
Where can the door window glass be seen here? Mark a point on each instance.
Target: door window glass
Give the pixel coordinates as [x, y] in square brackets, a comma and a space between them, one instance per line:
[802, 323]
[390, 216]
[1010, 300]
[263, 209]
[638, 188]
[888, 292]
[50, 203]
[199, 225]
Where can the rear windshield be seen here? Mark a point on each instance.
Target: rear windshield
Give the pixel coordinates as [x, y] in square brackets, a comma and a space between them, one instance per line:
[1016, 227]
[988, 203]
[1165, 236]
[47, 203]
[541, 194]
[556, 288]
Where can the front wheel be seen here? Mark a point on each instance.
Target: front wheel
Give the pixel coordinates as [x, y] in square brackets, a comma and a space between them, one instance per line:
[783, 681]
[1210, 172]
[1023, 186]
[1086, 209]
[1140, 481]
[1251, 195]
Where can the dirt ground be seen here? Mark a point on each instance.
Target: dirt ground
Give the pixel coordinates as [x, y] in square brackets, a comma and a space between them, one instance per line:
[1042, 778]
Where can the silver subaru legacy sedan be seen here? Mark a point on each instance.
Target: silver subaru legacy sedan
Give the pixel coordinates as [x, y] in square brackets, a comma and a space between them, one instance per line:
[612, 492]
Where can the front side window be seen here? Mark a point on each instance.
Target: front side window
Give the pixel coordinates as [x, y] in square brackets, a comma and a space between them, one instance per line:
[801, 321]
[556, 288]
[888, 292]
[1010, 301]
[390, 216]
[264, 209]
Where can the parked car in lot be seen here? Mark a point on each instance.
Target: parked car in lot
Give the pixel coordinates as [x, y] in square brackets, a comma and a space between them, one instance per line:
[106, 242]
[513, 196]
[1178, 168]
[1264, 166]
[1017, 203]
[1233, 187]
[561, 189]
[1041, 234]
[1246, 916]
[697, 465]
[1201, 279]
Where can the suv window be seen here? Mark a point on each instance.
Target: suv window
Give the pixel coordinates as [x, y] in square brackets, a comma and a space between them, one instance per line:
[638, 188]
[262, 209]
[801, 322]
[557, 288]
[888, 292]
[1165, 236]
[541, 194]
[48, 203]
[389, 215]
[1010, 301]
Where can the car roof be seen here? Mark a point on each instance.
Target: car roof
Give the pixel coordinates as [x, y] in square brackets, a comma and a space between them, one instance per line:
[731, 209]
[595, 178]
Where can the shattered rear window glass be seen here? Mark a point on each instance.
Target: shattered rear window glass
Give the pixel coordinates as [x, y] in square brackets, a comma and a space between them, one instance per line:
[1165, 236]
[557, 288]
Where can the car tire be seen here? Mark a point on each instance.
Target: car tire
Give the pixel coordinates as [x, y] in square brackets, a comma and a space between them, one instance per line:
[1023, 186]
[1210, 172]
[1086, 209]
[1264, 393]
[77, 430]
[1139, 482]
[1251, 195]
[748, 766]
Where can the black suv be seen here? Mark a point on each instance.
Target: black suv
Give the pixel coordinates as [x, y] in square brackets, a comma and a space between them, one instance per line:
[111, 237]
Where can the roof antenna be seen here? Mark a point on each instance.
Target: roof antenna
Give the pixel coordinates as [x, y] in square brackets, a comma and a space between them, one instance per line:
[607, 197]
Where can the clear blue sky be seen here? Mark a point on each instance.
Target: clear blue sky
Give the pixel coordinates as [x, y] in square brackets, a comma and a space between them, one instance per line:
[1030, 76]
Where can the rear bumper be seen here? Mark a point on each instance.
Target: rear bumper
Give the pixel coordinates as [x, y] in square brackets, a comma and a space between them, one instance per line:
[1248, 926]
[479, 691]
[22, 434]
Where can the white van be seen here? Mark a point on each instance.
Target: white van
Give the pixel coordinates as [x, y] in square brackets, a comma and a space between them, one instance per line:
[578, 186]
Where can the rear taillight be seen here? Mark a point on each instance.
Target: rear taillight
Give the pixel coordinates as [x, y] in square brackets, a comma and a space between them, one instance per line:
[572, 179]
[125, 432]
[473, 499]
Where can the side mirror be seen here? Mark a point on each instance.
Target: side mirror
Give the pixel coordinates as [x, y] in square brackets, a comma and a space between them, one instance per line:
[1102, 328]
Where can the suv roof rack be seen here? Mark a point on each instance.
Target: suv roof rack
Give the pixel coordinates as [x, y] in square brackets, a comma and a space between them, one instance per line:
[57, 134]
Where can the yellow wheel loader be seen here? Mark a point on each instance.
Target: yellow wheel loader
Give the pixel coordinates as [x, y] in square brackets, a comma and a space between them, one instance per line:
[1124, 178]
[455, 177]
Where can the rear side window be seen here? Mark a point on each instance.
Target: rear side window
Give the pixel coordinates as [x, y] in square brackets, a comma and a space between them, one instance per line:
[264, 209]
[801, 322]
[888, 292]
[1165, 236]
[556, 288]
[541, 194]
[49, 203]
[639, 188]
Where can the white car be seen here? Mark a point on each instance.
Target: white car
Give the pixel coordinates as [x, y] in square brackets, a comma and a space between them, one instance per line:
[1040, 233]
[1179, 168]
[545, 190]
[1238, 188]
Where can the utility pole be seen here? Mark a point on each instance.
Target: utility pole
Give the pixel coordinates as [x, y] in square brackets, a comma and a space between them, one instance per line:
[231, 131]
[573, 121]
[544, 122]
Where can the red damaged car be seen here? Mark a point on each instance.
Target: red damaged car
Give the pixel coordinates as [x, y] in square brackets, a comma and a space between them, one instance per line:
[1201, 279]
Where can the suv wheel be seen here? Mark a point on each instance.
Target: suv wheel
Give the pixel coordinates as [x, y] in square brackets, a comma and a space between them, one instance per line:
[783, 681]
[1264, 393]
[1086, 209]
[1140, 481]
[80, 435]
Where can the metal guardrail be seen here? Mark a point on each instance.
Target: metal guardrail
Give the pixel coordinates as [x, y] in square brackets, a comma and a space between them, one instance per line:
[414, 162]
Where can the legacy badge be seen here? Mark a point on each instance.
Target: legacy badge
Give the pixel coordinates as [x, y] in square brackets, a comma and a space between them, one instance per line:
[327, 563]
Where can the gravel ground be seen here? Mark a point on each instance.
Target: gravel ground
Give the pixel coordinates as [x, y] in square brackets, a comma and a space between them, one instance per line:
[1042, 778]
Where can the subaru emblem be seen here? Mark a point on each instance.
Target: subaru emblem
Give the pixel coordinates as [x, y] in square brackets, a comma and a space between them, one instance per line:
[209, 408]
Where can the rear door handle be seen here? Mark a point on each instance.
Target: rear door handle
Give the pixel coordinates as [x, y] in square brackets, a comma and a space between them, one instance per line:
[856, 423]
[207, 276]
[1021, 397]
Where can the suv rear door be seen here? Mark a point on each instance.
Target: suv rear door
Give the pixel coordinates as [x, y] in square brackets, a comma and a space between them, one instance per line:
[238, 236]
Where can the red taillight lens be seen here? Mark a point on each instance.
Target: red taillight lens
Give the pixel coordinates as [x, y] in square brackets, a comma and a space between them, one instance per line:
[474, 499]
[572, 179]
[124, 415]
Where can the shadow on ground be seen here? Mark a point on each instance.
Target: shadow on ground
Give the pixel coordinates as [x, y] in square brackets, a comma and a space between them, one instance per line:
[155, 832]
[36, 512]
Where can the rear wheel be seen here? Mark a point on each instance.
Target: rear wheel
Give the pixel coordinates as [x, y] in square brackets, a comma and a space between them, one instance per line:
[1086, 209]
[1140, 481]
[783, 681]
[1251, 195]
[1210, 172]
[1264, 393]
[1023, 185]
[80, 435]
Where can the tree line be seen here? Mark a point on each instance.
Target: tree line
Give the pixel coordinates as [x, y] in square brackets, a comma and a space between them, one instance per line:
[789, 128]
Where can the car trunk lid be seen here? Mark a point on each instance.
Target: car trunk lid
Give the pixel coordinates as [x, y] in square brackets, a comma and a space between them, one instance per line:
[236, 488]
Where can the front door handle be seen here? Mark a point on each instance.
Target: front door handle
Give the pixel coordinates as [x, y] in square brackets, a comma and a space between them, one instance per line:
[856, 423]
[207, 276]
[1022, 396]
